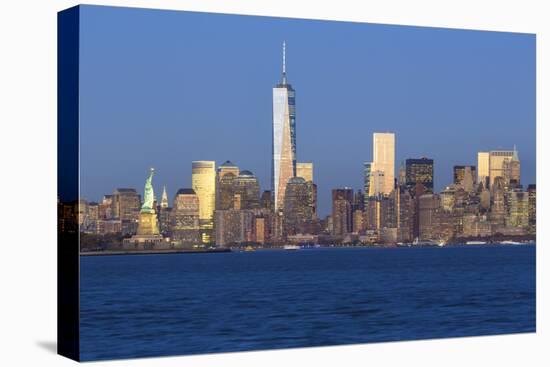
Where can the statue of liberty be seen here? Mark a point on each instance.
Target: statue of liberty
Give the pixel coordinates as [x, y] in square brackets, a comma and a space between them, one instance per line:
[148, 194]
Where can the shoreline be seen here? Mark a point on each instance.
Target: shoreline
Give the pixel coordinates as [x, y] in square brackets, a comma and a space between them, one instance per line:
[226, 250]
[151, 252]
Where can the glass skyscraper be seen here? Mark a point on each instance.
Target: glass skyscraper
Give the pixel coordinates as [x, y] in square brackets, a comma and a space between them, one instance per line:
[284, 138]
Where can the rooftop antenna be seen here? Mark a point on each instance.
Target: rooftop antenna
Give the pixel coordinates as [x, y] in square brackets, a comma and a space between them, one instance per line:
[284, 62]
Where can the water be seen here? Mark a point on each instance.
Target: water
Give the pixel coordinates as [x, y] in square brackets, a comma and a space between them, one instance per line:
[153, 305]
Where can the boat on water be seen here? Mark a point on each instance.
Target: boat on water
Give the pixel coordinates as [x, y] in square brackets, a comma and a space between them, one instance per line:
[511, 243]
[419, 242]
[291, 247]
[476, 243]
[249, 248]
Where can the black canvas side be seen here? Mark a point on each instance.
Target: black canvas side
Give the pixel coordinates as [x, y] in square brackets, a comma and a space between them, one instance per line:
[68, 338]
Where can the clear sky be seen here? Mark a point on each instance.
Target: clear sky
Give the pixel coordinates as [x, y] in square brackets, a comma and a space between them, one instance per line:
[164, 88]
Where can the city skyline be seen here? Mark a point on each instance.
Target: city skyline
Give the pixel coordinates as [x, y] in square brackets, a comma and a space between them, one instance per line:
[179, 139]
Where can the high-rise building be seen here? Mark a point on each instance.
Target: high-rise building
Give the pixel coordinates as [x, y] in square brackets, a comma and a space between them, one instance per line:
[511, 171]
[483, 168]
[185, 212]
[226, 174]
[204, 184]
[298, 208]
[377, 182]
[304, 170]
[126, 207]
[498, 165]
[384, 159]
[465, 176]
[284, 137]
[498, 202]
[532, 192]
[428, 210]
[246, 190]
[342, 221]
[366, 179]
[419, 171]
[518, 209]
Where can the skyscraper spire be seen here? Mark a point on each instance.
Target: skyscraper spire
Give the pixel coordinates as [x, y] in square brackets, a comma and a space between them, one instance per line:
[284, 62]
[164, 199]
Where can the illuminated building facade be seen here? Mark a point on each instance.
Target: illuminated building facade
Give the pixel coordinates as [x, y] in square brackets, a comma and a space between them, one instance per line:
[204, 184]
[284, 137]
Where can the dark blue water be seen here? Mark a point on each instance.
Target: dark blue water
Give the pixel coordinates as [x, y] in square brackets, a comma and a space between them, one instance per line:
[153, 305]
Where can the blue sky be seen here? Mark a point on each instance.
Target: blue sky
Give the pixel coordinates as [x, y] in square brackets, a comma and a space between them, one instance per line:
[163, 88]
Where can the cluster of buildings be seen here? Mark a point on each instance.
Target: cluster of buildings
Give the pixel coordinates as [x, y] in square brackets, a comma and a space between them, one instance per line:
[224, 205]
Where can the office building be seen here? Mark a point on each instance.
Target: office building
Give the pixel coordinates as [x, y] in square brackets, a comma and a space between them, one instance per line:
[384, 159]
[185, 213]
[203, 182]
[342, 221]
[284, 137]
[305, 170]
[419, 171]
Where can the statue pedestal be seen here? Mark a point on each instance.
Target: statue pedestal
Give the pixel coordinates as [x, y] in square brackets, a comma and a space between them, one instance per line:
[148, 236]
[148, 224]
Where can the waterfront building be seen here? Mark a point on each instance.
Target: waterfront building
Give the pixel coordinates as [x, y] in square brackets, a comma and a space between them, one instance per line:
[185, 214]
[298, 208]
[342, 200]
[465, 176]
[384, 159]
[204, 184]
[476, 226]
[109, 226]
[305, 170]
[92, 217]
[234, 227]
[405, 221]
[518, 209]
[419, 171]
[532, 210]
[126, 208]
[246, 191]
[284, 137]
[483, 168]
[428, 207]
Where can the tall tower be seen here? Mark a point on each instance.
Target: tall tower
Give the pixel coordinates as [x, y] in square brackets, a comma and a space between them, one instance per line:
[384, 159]
[204, 184]
[284, 138]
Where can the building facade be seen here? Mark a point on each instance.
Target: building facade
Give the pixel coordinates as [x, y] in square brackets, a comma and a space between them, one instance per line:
[284, 137]
[384, 159]
[203, 181]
